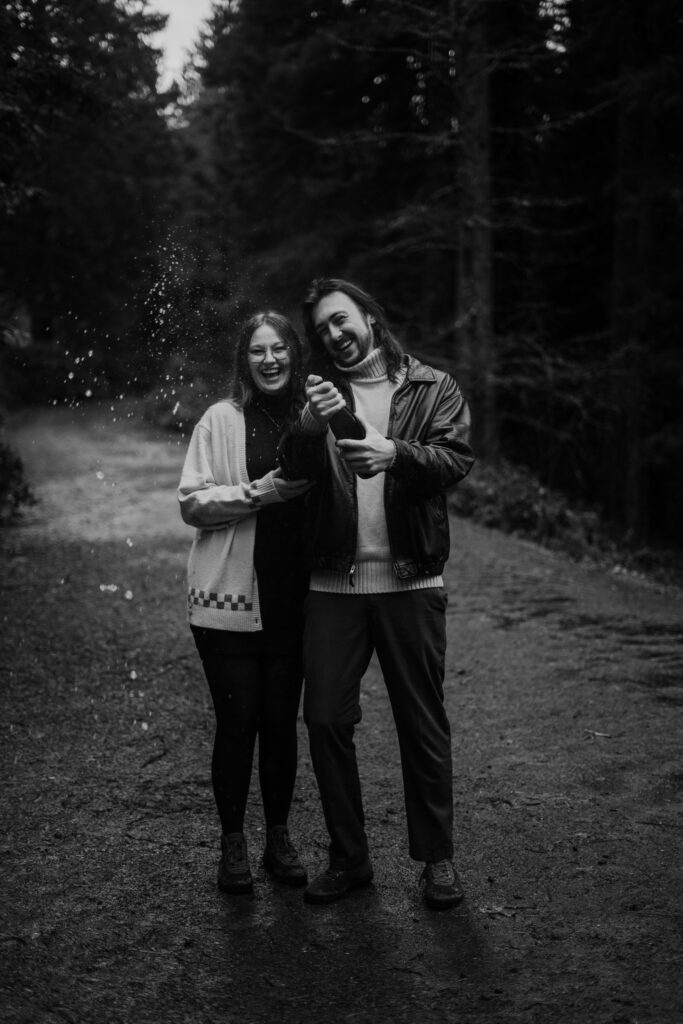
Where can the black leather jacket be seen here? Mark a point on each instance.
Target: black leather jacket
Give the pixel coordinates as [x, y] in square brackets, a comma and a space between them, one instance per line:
[429, 422]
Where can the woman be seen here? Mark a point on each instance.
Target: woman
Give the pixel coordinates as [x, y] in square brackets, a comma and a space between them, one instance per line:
[246, 587]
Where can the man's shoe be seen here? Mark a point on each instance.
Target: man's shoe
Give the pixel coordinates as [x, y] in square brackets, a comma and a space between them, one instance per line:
[281, 859]
[440, 885]
[233, 871]
[334, 883]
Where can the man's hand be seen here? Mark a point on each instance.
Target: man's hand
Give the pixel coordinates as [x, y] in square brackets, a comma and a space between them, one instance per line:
[324, 399]
[373, 455]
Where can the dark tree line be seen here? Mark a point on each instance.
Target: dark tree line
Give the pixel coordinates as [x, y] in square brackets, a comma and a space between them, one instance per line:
[86, 164]
[505, 174]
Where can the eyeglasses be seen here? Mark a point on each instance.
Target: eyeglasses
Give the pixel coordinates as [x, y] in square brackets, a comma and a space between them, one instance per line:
[259, 355]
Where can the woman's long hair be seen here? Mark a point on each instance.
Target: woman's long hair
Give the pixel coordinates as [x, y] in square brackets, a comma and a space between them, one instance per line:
[384, 338]
[243, 390]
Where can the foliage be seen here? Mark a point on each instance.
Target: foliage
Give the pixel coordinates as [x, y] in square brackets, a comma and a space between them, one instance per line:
[608, 274]
[324, 139]
[85, 153]
[397, 143]
[15, 492]
[503, 174]
[511, 498]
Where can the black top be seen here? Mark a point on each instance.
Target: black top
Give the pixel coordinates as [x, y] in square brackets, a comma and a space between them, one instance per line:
[278, 545]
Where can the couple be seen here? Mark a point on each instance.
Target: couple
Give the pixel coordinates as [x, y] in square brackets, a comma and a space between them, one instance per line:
[304, 532]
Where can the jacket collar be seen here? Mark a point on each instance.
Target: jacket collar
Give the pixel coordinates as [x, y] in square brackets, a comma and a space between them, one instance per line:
[417, 372]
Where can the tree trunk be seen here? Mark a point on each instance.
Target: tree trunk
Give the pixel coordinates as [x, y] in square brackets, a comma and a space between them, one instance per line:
[475, 351]
[625, 468]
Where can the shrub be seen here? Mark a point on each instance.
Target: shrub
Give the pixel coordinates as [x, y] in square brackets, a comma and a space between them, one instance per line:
[510, 498]
[15, 492]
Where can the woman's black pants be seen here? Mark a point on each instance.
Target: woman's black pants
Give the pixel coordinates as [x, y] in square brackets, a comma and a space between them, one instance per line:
[255, 687]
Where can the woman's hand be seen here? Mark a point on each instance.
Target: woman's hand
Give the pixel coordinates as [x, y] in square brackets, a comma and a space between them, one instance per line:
[288, 489]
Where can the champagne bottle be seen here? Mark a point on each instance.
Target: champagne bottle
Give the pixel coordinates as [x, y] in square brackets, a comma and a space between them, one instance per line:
[345, 425]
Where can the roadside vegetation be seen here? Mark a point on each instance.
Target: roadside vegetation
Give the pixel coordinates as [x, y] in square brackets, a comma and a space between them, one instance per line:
[512, 499]
[15, 492]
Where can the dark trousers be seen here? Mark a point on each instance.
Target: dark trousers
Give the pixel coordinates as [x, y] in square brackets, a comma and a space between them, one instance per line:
[408, 632]
[255, 688]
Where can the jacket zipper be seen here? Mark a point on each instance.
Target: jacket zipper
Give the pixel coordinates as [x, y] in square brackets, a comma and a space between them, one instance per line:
[390, 423]
[352, 569]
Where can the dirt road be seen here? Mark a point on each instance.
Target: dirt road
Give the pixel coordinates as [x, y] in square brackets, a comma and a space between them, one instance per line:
[565, 690]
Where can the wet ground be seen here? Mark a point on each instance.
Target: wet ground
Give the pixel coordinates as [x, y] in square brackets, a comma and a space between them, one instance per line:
[565, 691]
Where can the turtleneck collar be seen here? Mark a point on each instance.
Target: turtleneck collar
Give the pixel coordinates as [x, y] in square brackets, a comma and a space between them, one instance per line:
[373, 367]
[276, 405]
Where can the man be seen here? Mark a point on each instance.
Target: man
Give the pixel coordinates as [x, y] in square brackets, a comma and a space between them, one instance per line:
[378, 539]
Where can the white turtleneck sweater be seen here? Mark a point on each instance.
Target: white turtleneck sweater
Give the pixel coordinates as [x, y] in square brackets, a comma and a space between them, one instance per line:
[374, 574]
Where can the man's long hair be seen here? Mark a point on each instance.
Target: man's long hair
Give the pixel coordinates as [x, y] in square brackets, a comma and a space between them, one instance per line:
[384, 338]
[243, 390]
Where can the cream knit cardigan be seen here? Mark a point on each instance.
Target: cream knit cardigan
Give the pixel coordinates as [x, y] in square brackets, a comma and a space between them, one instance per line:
[218, 499]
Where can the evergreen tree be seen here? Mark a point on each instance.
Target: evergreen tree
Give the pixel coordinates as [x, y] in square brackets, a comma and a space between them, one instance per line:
[504, 176]
[86, 157]
[622, 154]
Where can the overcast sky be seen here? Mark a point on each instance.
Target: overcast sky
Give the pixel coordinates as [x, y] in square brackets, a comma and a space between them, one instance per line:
[182, 30]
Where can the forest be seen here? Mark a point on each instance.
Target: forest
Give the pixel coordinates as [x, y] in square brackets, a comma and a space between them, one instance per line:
[506, 176]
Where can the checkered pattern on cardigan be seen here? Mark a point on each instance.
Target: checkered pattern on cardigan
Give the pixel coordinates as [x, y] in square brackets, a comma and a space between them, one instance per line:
[235, 602]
